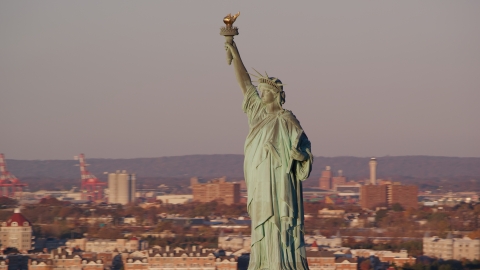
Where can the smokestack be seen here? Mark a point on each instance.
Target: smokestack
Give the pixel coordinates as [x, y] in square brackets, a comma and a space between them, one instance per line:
[373, 171]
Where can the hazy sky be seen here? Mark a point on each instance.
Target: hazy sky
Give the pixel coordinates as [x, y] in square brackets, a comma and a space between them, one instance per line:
[125, 79]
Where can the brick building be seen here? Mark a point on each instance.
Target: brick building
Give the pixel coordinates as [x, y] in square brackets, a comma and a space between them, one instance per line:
[338, 180]
[326, 260]
[372, 196]
[216, 189]
[328, 182]
[387, 194]
[405, 195]
[325, 181]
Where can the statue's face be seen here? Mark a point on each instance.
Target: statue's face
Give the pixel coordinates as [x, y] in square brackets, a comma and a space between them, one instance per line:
[268, 95]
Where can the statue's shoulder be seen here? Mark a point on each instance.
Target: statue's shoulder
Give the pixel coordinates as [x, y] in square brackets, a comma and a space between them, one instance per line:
[291, 118]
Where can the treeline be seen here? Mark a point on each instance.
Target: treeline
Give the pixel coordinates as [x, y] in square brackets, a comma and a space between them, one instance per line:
[232, 166]
[180, 185]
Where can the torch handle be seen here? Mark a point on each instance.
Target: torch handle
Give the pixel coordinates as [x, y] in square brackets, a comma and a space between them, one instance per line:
[229, 39]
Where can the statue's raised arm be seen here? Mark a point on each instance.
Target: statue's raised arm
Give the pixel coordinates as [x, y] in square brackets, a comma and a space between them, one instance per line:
[243, 77]
[232, 51]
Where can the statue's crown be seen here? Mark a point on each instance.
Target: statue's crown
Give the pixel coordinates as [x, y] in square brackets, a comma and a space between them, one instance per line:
[275, 82]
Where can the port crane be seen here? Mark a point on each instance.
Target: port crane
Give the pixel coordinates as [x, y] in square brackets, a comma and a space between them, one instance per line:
[10, 186]
[91, 188]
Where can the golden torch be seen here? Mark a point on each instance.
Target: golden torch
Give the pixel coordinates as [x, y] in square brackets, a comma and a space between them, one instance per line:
[229, 31]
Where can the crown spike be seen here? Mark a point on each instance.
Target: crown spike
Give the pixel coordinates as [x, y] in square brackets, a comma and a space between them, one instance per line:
[258, 72]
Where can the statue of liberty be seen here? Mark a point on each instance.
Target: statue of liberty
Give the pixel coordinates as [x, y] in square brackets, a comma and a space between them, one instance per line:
[278, 158]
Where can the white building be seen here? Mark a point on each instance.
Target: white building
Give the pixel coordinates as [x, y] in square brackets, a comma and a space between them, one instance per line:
[239, 241]
[175, 199]
[327, 213]
[234, 242]
[107, 245]
[16, 232]
[320, 240]
[121, 187]
[466, 248]
[452, 248]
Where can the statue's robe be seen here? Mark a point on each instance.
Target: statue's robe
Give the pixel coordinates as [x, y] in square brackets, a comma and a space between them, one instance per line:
[274, 186]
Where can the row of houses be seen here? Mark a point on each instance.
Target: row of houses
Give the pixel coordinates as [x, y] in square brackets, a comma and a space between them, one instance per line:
[194, 257]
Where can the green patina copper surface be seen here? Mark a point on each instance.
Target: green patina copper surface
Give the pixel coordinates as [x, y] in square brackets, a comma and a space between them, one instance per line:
[278, 158]
[274, 188]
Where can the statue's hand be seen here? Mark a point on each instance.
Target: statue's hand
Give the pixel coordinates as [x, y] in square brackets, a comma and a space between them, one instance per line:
[297, 155]
[232, 48]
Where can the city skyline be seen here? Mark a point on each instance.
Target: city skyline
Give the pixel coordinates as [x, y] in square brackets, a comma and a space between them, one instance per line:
[129, 80]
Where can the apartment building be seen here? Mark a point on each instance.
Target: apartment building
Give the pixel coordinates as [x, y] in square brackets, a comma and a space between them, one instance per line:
[215, 190]
[16, 232]
[451, 248]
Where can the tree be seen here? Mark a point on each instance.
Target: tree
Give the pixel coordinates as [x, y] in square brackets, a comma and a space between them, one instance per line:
[163, 226]
[380, 215]
[474, 234]
[6, 202]
[110, 233]
[365, 265]
[10, 250]
[397, 207]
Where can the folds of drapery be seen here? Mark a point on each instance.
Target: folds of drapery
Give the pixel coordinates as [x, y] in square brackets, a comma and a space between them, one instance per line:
[274, 186]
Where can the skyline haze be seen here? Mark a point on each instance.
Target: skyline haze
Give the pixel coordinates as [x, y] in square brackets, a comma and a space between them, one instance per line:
[149, 79]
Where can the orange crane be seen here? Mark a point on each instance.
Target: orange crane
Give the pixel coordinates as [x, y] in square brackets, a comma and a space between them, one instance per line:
[10, 186]
[91, 188]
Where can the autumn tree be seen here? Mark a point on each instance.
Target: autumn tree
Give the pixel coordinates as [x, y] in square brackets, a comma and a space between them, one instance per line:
[6, 202]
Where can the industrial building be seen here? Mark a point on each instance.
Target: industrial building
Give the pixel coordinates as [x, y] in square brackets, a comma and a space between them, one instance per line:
[328, 182]
[351, 189]
[121, 187]
[216, 189]
[325, 181]
[387, 193]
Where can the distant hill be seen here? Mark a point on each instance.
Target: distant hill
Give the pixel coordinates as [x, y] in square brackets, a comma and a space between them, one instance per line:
[232, 166]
